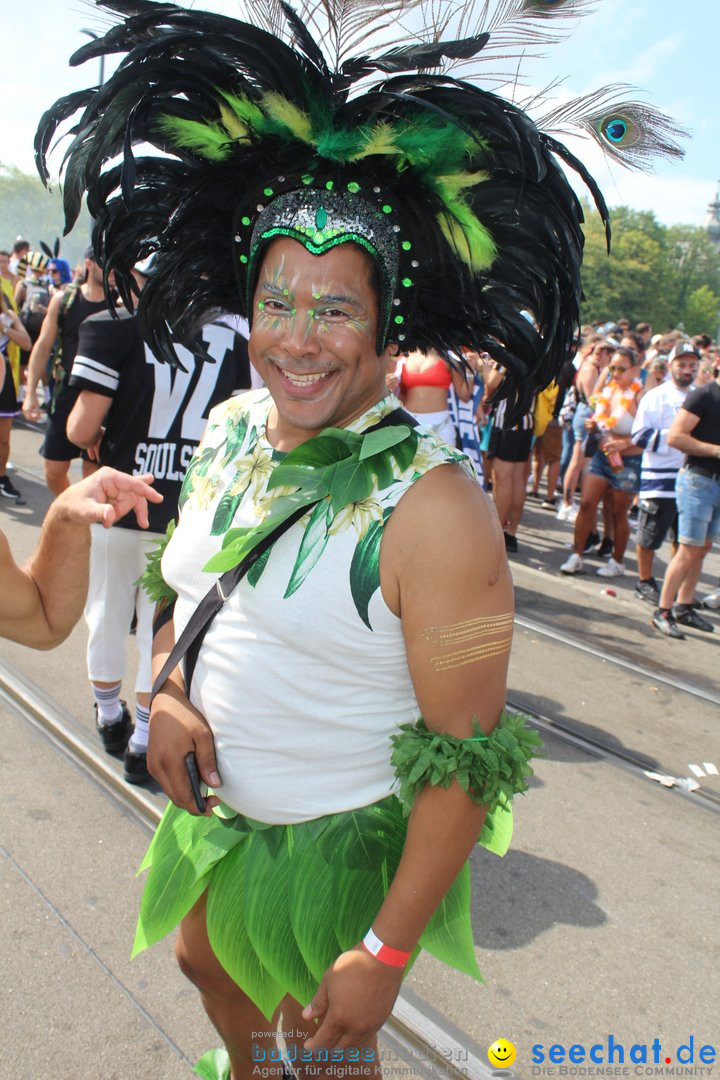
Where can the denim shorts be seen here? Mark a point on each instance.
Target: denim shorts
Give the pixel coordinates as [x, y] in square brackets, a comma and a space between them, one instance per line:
[582, 413]
[698, 499]
[627, 480]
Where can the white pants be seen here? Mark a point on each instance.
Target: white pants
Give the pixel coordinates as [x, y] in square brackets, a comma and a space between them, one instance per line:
[441, 423]
[117, 559]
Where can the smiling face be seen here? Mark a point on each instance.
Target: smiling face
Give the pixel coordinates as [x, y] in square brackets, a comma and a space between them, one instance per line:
[501, 1053]
[313, 339]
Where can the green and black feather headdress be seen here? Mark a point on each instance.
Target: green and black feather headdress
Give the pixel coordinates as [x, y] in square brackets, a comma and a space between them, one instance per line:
[474, 225]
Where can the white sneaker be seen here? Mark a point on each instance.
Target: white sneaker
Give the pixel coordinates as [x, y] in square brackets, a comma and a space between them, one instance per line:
[573, 565]
[567, 512]
[613, 569]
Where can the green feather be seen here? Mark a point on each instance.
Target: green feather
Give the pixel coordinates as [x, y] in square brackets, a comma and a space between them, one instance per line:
[245, 110]
[338, 144]
[208, 140]
[425, 142]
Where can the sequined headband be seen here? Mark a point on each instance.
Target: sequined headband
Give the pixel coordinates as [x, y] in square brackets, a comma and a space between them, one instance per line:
[321, 218]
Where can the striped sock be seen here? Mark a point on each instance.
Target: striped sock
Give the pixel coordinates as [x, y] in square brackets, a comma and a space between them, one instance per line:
[109, 708]
[139, 738]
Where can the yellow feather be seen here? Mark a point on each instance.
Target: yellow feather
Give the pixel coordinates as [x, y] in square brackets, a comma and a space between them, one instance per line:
[468, 236]
[235, 128]
[379, 140]
[456, 182]
[282, 111]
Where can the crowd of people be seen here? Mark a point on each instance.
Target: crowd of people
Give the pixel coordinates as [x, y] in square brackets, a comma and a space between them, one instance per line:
[599, 450]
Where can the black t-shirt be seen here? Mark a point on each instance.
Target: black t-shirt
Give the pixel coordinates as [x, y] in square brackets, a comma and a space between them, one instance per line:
[705, 403]
[158, 414]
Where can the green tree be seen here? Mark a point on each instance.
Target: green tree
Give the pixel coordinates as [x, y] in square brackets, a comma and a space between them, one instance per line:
[702, 311]
[27, 209]
[658, 274]
[693, 262]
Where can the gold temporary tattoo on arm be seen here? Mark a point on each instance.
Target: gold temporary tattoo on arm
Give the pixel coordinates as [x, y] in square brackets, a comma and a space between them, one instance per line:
[473, 655]
[469, 629]
[488, 626]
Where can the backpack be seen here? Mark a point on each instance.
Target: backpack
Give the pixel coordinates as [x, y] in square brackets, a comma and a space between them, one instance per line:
[36, 293]
[55, 367]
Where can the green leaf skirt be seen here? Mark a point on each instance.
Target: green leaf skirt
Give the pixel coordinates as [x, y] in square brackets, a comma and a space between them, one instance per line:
[285, 900]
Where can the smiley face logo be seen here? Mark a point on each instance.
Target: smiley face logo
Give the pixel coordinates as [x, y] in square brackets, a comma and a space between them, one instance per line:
[501, 1054]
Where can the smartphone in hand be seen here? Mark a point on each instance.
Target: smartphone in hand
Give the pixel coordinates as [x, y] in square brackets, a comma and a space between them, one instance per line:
[194, 778]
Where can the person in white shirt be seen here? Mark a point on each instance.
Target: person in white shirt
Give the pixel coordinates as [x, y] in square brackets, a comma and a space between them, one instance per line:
[660, 464]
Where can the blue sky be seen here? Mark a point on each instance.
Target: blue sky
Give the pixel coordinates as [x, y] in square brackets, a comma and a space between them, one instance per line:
[667, 49]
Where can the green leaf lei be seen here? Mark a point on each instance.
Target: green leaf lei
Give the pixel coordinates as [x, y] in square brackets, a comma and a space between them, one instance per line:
[490, 768]
[338, 465]
[152, 580]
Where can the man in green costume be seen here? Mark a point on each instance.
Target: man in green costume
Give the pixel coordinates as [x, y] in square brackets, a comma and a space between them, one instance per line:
[351, 199]
[456, 620]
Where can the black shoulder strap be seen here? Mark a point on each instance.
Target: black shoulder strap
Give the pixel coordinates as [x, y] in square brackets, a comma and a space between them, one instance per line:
[190, 641]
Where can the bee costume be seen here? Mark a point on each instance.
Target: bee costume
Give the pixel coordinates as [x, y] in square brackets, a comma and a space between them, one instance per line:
[361, 122]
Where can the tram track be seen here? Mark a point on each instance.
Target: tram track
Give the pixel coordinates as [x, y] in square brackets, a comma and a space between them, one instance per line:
[631, 666]
[562, 728]
[414, 1044]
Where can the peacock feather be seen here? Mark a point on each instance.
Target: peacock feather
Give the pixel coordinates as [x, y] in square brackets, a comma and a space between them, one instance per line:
[628, 131]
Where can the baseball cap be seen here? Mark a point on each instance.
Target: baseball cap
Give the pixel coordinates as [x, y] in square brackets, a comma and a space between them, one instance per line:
[683, 348]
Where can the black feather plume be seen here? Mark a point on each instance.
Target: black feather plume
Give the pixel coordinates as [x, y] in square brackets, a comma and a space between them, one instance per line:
[204, 112]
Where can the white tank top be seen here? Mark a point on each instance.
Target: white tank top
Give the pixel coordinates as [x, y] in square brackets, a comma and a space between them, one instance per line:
[303, 675]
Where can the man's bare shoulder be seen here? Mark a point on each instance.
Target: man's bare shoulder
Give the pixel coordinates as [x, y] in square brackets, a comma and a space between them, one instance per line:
[447, 504]
[443, 533]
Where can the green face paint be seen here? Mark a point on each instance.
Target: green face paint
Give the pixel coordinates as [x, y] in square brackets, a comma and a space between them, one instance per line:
[359, 325]
[334, 311]
[279, 300]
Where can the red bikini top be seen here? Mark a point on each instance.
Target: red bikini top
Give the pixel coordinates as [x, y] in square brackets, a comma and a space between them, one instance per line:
[438, 375]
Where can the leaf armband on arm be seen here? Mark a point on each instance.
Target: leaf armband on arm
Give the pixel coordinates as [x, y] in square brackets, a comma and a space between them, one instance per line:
[152, 580]
[489, 768]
